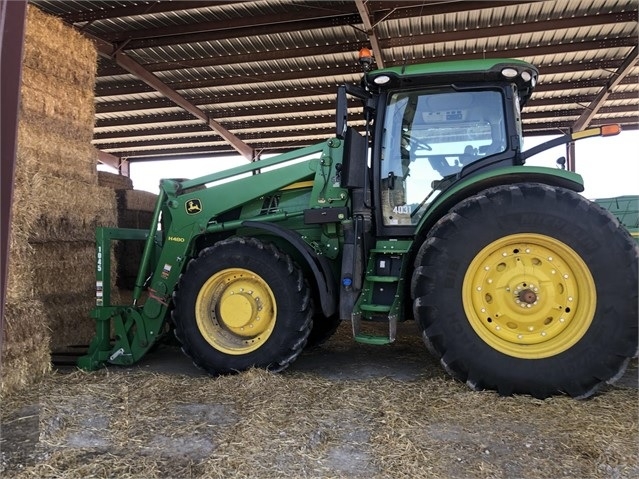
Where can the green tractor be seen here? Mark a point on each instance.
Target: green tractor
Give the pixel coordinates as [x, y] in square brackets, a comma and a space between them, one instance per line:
[426, 211]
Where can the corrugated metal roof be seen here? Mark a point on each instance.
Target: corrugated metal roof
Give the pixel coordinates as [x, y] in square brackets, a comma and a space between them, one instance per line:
[268, 70]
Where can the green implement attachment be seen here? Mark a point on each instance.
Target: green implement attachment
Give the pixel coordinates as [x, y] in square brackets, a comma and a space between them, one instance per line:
[626, 209]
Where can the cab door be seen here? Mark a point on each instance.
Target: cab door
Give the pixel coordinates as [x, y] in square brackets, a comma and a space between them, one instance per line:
[425, 139]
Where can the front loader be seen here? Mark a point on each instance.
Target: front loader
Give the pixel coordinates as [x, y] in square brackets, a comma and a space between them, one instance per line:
[425, 211]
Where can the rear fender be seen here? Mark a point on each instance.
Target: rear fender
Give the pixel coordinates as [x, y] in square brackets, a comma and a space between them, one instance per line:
[503, 176]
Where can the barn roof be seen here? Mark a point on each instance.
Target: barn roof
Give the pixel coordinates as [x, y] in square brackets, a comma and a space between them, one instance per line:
[194, 78]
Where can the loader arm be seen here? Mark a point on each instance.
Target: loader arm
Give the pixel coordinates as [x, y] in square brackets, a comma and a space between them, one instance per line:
[182, 214]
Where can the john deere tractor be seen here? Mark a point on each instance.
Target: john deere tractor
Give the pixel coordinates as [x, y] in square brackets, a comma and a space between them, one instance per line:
[425, 211]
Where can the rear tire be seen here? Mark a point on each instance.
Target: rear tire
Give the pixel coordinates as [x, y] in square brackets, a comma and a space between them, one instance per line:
[529, 289]
[240, 304]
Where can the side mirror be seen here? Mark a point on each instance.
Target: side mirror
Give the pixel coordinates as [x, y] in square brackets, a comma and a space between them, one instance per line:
[561, 162]
[341, 113]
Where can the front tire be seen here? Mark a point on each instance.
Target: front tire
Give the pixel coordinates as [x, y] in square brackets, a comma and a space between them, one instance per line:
[528, 289]
[242, 303]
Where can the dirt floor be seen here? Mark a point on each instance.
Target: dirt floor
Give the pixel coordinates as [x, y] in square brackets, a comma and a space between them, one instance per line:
[344, 410]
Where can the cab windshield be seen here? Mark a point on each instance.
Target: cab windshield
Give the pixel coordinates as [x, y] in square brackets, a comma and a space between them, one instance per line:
[428, 136]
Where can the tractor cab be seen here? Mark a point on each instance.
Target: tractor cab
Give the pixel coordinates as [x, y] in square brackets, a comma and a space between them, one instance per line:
[429, 136]
[434, 127]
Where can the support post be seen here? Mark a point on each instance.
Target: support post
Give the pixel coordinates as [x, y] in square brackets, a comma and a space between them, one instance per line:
[12, 24]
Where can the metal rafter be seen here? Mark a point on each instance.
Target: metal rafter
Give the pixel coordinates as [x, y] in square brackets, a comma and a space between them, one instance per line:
[312, 130]
[220, 30]
[125, 125]
[219, 101]
[303, 122]
[114, 89]
[370, 31]
[109, 160]
[142, 9]
[616, 78]
[208, 151]
[442, 37]
[132, 87]
[254, 111]
[214, 61]
[515, 29]
[386, 11]
[106, 49]
[315, 17]
[248, 100]
[281, 89]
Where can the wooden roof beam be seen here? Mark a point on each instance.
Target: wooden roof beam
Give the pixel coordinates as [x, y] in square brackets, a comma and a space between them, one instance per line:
[106, 49]
[616, 78]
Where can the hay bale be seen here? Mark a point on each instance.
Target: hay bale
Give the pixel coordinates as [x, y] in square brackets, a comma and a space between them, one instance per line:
[136, 200]
[63, 268]
[46, 37]
[44, 97]
[68, 318]
[128, 257]
[57, 203]
[135, 210]
[37, 107]
[52, 208]
[25, 349]
[41, 151]
[135, 219]
[114, 181]
[69, 210]
[20, 274]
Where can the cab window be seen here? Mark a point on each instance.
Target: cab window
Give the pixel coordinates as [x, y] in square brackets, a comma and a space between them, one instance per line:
[429, 136]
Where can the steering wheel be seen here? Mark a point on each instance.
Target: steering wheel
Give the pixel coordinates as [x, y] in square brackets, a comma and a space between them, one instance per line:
[417, 144]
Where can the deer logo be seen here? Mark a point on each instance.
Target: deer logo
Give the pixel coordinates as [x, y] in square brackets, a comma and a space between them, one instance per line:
[193, 207]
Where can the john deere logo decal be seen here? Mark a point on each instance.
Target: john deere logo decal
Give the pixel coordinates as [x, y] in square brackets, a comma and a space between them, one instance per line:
[193, 207]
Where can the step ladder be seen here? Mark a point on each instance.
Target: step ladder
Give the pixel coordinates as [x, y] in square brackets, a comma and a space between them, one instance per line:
[382, 297]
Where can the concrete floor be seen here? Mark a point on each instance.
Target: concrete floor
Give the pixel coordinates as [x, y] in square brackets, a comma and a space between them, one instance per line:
[342, 358]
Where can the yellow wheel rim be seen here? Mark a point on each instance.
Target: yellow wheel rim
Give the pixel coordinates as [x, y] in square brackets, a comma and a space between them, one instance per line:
[235, 311]
[529, 296]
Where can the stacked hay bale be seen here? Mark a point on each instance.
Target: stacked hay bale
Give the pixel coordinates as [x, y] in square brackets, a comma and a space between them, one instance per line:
[135, 210]
[115, 181]
[57, 203]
